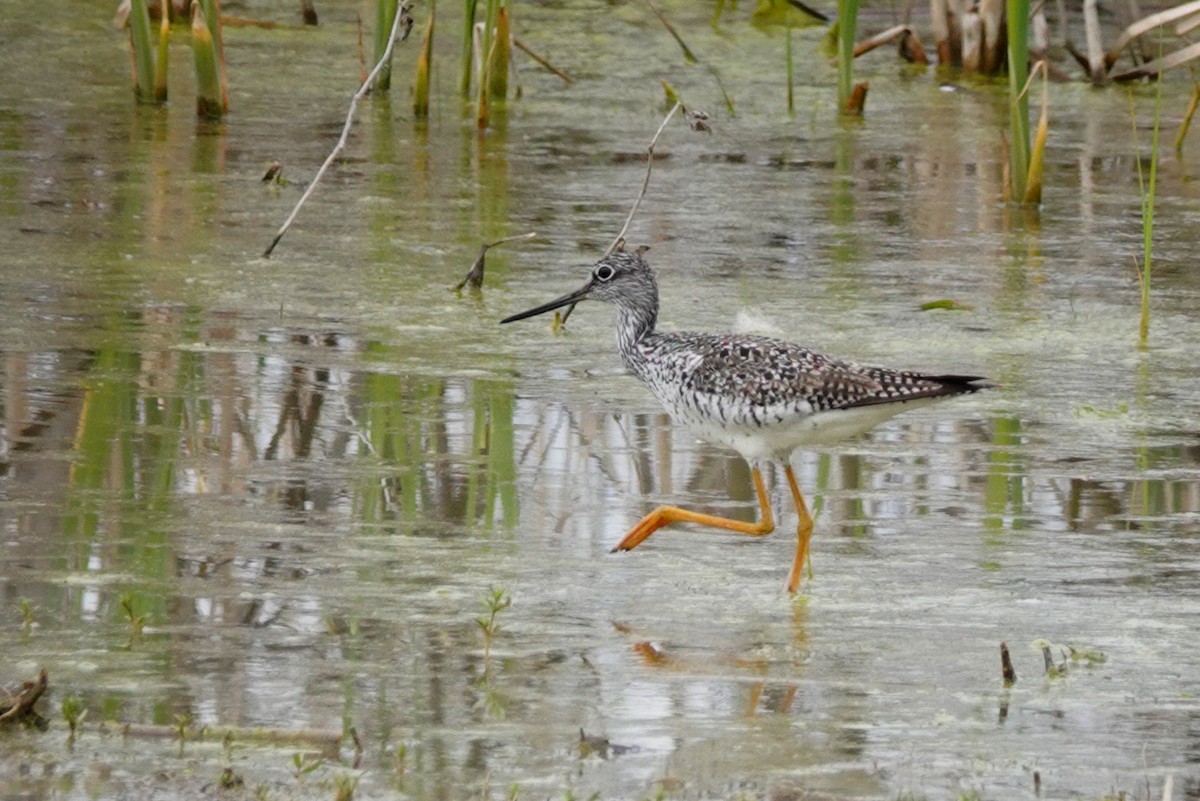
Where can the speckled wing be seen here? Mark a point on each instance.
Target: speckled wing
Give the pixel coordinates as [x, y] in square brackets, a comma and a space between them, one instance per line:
[767, 372]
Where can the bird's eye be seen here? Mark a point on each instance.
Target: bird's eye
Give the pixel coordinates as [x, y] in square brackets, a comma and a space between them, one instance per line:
[604, 272]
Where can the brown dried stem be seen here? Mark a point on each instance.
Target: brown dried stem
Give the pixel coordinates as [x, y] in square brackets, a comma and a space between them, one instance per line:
[474, 276]
[524, 48]
[1006, 666]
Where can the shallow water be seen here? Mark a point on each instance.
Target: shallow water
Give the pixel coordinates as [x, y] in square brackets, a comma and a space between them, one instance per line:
[309, 472]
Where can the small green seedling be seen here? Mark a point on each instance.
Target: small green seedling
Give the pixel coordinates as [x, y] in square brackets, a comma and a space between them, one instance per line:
[400, 763]
[27, 621]
[136, 622]
[344, 786]
[182, 724]
[73, 711]
[494, 602]
[302, 766]
[229, 780]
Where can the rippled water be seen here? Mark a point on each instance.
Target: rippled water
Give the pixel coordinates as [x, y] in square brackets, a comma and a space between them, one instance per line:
[308, 473]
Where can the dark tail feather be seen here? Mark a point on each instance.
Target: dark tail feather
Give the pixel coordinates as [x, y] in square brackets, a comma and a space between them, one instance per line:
[940, 386]
[960, 384]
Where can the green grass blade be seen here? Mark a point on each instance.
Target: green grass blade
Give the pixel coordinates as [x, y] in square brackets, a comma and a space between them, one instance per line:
[500, 56]
[160, 62]
[208, 80]
[385, 18]
[143, 51]
[424, 62]
[468, 47]
[1017, 15]
[1148, 215]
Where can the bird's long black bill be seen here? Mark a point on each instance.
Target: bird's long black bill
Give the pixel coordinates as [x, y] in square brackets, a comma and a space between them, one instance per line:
[569, 299]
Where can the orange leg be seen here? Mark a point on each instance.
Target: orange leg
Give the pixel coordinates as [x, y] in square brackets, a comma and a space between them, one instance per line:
[666, 515]
[803, 531]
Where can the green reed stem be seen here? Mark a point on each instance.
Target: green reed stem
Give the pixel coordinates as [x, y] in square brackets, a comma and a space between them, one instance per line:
[468, 47]
[208, 76]
[424, 62]
[1148, 215]
[160, 63]
[143, 52]
[500, 56]
[483, 93]
[1017, 14]
[385, 18]
[1181, 134]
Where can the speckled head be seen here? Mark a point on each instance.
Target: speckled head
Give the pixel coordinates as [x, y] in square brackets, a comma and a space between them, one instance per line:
[623, 278]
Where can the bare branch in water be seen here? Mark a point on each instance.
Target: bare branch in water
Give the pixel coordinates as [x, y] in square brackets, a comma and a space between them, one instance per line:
[645, 183]
[698, 121]
[401, 27]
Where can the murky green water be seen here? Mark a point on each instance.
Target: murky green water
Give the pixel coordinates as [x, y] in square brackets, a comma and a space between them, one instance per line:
[308, 473]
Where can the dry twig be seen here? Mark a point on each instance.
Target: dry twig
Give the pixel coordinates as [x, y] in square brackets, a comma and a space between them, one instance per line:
[403, 19]
[474, 276]
[698, 121]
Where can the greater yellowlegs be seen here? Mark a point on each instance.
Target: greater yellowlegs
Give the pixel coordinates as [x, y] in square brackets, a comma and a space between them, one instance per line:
[763, 397]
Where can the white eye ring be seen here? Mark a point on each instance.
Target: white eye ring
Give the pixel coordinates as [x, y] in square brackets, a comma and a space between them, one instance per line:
[604, 272]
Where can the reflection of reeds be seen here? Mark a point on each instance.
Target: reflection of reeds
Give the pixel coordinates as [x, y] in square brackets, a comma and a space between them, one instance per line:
[493, 442]
[1004, 490]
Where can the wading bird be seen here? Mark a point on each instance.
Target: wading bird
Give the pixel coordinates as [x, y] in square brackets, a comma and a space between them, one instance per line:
[761, 396]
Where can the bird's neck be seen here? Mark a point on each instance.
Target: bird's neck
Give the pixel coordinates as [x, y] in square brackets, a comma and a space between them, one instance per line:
[634, 323]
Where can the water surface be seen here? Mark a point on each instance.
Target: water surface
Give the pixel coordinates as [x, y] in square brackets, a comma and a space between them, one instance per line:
[308, 472]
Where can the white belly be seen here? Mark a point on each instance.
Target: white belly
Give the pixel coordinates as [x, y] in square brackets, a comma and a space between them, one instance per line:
[776, 440]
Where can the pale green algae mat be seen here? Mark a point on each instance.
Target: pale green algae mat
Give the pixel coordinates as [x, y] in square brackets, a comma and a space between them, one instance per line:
[305, 477]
